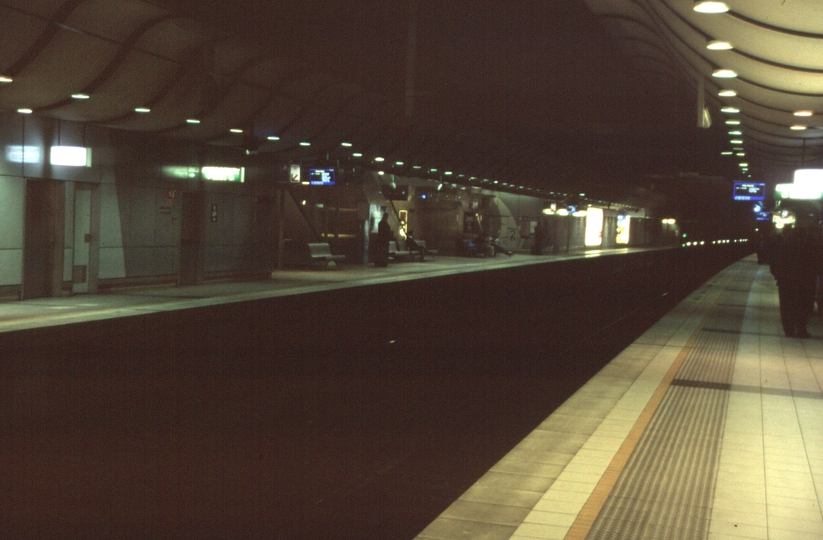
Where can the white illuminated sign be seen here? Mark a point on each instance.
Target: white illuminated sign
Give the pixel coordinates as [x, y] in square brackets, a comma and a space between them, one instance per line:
[224, 174]
[294, 174]
[803, 190]
[70, 156]
[594, 227]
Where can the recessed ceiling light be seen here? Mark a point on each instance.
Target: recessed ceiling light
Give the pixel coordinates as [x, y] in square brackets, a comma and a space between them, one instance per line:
[730, 110]
[735, 133]
[727, 92]
[24, 111]
[236, 130]
[4, 79]
[733, 122]
[803, 113]
[192, 121]
[305, 143]
[357, 154]
[798, 128]
[142, 110]
[379, 159]
[710, 6]
[398, 163]
[273, 138]
[80, 96]
[726, 153]
[744, 164]
[736, 141]
[346, 144]
[718, 45]
[740, 154]
[724, 74]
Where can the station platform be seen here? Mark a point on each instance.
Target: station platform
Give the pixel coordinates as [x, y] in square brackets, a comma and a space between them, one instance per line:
[709, 426]
[124, 302]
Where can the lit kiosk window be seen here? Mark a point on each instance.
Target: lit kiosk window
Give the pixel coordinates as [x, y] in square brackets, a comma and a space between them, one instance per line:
[70, 156]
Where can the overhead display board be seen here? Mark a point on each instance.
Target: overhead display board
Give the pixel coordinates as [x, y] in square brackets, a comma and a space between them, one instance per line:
[749, 191]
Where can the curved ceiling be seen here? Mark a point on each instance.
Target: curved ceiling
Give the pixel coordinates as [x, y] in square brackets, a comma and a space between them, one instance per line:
[530, 93]
[777, 55]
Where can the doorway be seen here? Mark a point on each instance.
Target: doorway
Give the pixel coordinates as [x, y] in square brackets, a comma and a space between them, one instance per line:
[191, 238]
[80, 275]
[42, 256]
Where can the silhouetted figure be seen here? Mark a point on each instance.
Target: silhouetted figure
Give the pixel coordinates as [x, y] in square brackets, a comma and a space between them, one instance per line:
[796, 260]
[384, 236]
[539, 238]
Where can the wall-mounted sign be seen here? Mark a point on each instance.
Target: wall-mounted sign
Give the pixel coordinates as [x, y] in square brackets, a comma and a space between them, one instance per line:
[294, 174]
[224, 174]
[70, 156]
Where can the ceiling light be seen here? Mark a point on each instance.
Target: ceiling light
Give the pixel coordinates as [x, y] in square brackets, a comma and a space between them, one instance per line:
[357, 154]
[142, 110]
[236, 130]
[399, 163]
[736, 141]
[798, 128]
[735, 133]
[24, 111]
[726, 153]
[732, 122]
[4, 79]
[803, 113]
[192, 121]
[730, 110]
[710, 6]
[727, 92]
[346, 144]
[273, 138]
[740, 154]
[305, 143]
[718, 45]
[744, 165]
[379, 159]
[724, 74]
[80, 96]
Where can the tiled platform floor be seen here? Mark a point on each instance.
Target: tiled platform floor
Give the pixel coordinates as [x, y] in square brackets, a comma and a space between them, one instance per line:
[758, 473]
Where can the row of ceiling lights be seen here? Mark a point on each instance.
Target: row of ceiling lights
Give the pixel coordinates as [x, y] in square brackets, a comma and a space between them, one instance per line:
[710, 6]
[358, 155]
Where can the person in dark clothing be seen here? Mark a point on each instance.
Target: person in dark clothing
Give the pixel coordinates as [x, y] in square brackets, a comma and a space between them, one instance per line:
[539, 238]
[384, 236]
[796, 260]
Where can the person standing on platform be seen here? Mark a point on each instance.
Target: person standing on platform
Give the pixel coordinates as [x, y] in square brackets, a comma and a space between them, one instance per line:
[539, 238]
[384, 237]
[796, 261]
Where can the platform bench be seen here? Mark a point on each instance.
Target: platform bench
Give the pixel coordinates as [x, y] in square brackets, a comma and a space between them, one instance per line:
[398, 254]
[320, 255]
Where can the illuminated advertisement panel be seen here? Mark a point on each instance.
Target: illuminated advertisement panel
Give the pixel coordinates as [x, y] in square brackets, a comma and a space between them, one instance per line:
[594, 227]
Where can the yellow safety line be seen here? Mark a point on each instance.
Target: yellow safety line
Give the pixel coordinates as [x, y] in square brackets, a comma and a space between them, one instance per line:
[585, 519]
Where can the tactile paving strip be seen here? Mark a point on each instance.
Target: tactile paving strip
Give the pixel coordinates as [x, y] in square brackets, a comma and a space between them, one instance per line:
[665, 491]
